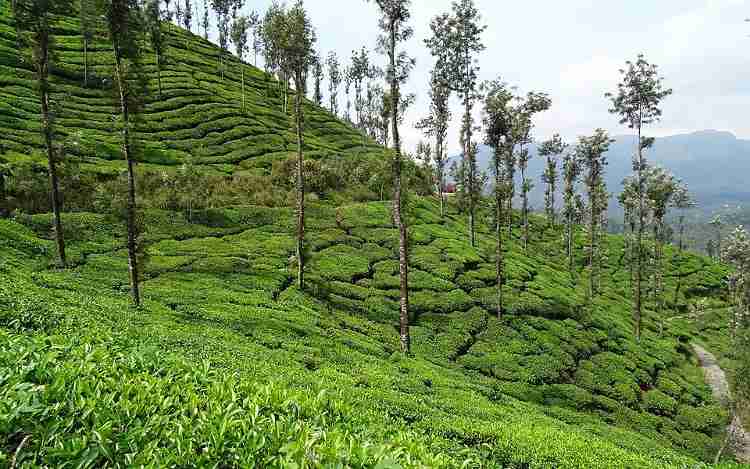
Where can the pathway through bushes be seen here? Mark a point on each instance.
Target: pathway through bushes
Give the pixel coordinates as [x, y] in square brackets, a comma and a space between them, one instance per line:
[739, 439]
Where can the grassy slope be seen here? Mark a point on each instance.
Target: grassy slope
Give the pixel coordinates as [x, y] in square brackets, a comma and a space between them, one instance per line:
[200, 114]
[552, 384]
[88, 378]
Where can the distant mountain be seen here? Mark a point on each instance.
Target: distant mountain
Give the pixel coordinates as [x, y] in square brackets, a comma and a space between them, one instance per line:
[714, 164]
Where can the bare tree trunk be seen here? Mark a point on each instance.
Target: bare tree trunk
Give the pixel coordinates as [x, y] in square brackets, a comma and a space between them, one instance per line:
[499, 203]
[440, 175]
[85, 61]
[131, 204]
[403, 261]
[158, 72]
[571, 260]
[638, 292]
[300, 186]
[242, 72]
[680, 249]
[3, 196]
[525, 208]
[51, 157]
[472, 171]
[592, 252]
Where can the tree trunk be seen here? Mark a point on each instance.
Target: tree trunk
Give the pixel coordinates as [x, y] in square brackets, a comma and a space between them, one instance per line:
[403, 261]
[441, 188]
[51, 157]
[470, 159]
[680, 249]
[525, 208]
[637, 313]
[592, 252]
[4, 211]
[499, 203]
[571, 261]
[158, 73]
[85, 61]
[242, 73]
[131, 204]
[300, 186]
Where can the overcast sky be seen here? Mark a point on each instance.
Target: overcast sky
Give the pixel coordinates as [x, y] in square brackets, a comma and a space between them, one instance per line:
[572, 49]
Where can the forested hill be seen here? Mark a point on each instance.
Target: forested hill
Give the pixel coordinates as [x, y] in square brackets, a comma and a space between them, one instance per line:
[199, 115]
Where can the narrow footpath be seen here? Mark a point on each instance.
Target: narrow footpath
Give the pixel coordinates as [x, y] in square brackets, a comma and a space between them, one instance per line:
[739, 441]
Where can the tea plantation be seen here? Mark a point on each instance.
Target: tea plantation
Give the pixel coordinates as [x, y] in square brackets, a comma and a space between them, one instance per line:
[200, 115]
[229, 363]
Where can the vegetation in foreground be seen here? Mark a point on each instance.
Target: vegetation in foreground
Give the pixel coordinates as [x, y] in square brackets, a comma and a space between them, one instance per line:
[227, 360]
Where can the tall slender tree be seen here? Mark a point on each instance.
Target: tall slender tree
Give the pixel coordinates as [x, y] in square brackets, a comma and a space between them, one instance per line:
[254, 25]
[124, 30]
[153, 23]
[498, 123]
[334, 81]
[34, 20]
[436, 125]
[395, 29]
[718, 223]
[571, 175]
[534, 103]
[222, 9]
[683, 201]
[458, 37]
[297, 51]
[206, 20]
[637, 102]
[591, 152]
[317, 73]
[660, 190]
[551, 149]
[239, 37]
[187, 15]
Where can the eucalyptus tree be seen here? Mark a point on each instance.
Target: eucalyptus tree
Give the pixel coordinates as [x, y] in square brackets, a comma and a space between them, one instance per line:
[359, 72]
[436, 125]
[206, 20]
[222, 9]
[334, 81]
[682, 201]
[298, 51]
[395, 30]
[551, 149]
[35, 22]
[87, 21]
[718, 223]
[124, 30]
[239, 31]
[571, 172]
[660, 190]
[347, 77]
[153, 24]
[317, 73]
[498, 125]
[273, 37]
[254, 24]
[628, 200]
[458, 38]
[187, 15]
[737, 253]
[637, 102]
[533, 103]
[590, 151]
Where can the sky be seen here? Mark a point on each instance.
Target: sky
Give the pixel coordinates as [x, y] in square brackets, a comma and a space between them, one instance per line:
[572, 50]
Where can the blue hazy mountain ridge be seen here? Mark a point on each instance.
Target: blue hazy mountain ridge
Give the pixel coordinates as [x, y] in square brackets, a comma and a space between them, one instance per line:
[714, 164]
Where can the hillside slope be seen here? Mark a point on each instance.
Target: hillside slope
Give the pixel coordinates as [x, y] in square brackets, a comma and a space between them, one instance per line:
[200, 115]
[225, 346]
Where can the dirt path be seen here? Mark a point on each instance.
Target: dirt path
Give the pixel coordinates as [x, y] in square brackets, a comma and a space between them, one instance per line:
[717, 380]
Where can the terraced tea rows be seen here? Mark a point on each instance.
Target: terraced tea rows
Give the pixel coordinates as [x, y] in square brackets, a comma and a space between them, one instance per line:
[199, 115]
[220, 289]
